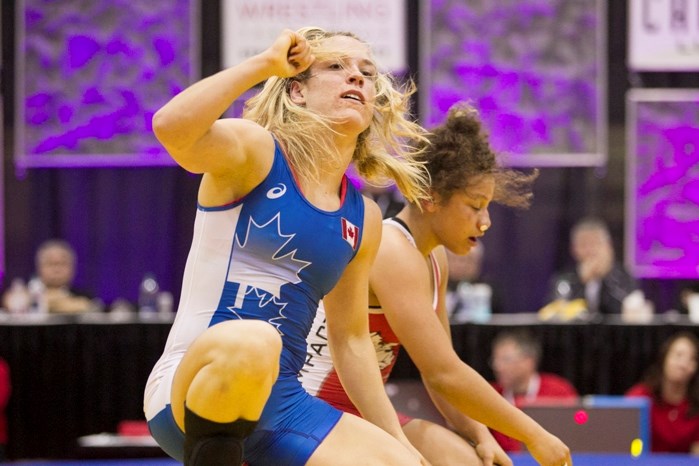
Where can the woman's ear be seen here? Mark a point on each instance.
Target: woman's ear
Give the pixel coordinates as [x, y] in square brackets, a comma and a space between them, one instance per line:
[431, 204]
[297, 93]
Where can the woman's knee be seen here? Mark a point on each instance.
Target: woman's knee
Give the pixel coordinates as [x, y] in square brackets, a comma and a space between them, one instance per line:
[242, 341]
[233, 362]
[248, 350]
[439, 445]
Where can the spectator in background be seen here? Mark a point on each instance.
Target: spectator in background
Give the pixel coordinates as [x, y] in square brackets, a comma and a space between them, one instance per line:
[55, 265]
[5, 390]
[467, 270]
[672, 385]
[515, 362]
[683, 296]
[596, 278]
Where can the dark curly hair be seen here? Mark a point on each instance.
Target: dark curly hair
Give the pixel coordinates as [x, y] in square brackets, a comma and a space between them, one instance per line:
[458, 154]
[653, 376]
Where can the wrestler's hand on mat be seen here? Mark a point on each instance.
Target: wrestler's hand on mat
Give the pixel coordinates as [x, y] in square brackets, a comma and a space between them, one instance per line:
[492, 454]
[548, 450]
[289, 55]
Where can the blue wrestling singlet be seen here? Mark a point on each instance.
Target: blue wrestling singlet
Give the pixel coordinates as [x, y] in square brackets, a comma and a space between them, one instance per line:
[269, 256]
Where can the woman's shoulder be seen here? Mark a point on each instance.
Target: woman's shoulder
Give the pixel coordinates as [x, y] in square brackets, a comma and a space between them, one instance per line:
[255, 135]
[396, 234]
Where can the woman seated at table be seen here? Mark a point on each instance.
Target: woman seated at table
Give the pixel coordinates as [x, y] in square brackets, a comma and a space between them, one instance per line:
[672, 385]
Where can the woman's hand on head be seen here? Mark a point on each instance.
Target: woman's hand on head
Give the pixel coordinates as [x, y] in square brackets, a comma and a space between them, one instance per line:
[289, 55]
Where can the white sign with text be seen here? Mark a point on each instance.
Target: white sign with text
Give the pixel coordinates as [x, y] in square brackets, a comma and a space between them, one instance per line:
[663, 35]
[251, 25]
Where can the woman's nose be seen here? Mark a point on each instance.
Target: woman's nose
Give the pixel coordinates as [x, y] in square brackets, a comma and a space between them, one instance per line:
[355, 76]
[484, 221]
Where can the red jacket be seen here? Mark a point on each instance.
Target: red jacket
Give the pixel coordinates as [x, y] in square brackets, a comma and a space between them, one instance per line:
[550, 386]
[5, 389]
[672, 430]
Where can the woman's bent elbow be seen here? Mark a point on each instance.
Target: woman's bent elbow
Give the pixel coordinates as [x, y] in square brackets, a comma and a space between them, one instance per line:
[161, 126]
[171, 137]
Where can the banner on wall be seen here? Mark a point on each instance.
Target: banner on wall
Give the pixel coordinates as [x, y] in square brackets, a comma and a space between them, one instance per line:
[663, 35]
[249, 26]
[2, 195]
[535, 71]
[90, 75]
[2, 176]
[662, 194]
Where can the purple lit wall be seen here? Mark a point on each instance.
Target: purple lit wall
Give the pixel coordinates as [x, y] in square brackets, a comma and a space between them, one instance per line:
[90, 75]
[534, 69]
[663, 183]
[2, 178]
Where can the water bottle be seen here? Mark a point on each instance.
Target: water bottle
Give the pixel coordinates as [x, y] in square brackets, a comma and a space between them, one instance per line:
[474, 303]
[37, 293]
[18, 299]
[464, 307]
[165, 303]
[148, 294]
[563, 289]
[481, 296]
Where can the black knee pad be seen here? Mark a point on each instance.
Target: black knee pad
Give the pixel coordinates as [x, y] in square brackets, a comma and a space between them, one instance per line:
[209, 443]
[213, 451]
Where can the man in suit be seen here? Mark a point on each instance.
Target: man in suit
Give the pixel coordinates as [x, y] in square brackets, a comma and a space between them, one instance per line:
[597, 277]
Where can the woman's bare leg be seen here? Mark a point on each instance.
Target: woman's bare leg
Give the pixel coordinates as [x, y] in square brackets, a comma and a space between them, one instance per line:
[439, 445]
[228, 372]
[355, 441]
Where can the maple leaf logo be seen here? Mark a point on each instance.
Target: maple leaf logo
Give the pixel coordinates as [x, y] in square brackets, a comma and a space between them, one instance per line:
[384, 350]
[264, 300]
[262, 250]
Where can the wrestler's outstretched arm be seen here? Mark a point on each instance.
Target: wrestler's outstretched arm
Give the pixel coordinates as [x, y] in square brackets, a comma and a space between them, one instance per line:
[352, 351]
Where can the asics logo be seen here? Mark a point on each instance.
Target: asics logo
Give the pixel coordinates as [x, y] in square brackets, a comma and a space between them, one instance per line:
[276, 192]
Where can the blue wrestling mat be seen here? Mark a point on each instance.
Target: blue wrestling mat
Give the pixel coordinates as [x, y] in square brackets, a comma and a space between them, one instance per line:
[599, 459]
[129, 462]
[588, 459]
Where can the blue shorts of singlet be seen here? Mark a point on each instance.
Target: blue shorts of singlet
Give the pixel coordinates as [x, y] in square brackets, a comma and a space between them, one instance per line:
[293, 424]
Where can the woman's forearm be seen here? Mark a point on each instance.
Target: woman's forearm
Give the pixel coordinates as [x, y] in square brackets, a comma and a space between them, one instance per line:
[190, 114]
